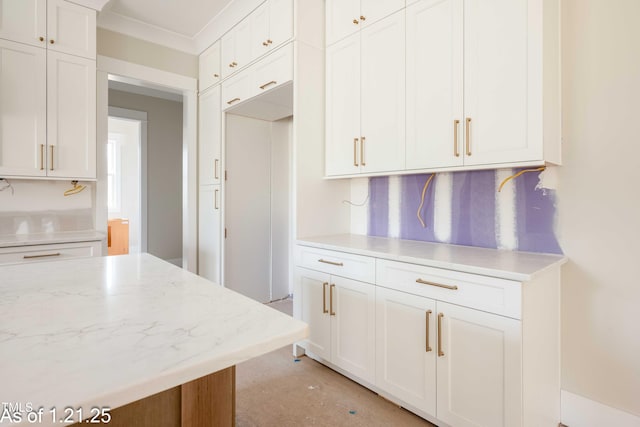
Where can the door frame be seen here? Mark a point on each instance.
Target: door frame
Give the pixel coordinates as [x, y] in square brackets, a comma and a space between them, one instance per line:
[140, 116]
[141, 75]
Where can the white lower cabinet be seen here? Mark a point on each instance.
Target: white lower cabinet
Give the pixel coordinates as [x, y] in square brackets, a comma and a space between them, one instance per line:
[341, 317]
[209, 233]
[52, 252]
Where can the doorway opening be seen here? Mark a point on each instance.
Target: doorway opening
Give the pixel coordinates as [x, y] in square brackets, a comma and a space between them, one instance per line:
[126, 181]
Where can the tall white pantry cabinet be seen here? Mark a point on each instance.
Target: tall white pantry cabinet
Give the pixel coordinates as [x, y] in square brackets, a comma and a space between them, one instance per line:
[47, 89]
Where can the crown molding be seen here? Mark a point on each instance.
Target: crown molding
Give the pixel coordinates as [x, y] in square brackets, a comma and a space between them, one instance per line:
[92, 4]
[144, 31]
[230, 15]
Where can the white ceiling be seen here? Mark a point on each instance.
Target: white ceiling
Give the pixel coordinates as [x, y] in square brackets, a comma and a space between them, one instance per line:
[187, 25]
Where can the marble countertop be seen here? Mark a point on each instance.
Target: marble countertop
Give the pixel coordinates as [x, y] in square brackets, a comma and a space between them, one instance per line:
[11, 240]
[512, 265]
[106, 331]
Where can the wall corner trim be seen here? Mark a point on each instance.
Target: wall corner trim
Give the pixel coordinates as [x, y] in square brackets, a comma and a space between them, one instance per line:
[578, 411]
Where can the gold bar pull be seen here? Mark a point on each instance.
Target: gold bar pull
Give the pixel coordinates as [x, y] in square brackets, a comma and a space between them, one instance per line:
[440, 352]
[355, 151]
[428, 315]
[324, 297]
[468, 135]
[332, 313]
[363, 18]
[456, 124]
[215, 199]
[265, 44]
[41, 256]
[233, 100]
[215, 169]
[41, 157]
[362, 139]
[439, 285]
[272, 82]
[355, 21]
[339, 264]
[51, 168]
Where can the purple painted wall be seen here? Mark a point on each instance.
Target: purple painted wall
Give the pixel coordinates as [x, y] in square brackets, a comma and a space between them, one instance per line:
[474, 219]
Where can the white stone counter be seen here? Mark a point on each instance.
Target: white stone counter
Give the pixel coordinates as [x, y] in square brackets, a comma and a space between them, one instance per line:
[512, 265]
[106, 331]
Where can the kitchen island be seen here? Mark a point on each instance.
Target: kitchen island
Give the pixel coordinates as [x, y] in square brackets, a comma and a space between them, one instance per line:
[130, 339]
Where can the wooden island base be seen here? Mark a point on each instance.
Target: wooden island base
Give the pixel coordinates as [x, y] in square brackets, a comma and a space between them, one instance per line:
[206, 402]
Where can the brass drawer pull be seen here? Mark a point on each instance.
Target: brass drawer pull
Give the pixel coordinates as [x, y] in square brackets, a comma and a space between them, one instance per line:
[51, 158]
[468, 129]
[439, 285]
[440, 352]
[41, 256]
[215, 169]
[324, 297]
[272, 82]
[456, 124]
[332, 313]
[215, 199]
[362, 139]
[233, 100]
[355, 152]
[355, 21]
[339, 264]
[428, 315]
[41, 157]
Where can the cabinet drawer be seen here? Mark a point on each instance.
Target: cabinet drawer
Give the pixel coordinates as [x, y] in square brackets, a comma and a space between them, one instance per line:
[39, 253]
[273, 70]
[236, 89]
[351, 266]
[489, 294]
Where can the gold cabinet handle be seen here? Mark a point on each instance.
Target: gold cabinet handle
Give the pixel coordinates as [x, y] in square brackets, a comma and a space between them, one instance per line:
[324, 297]
[272, 82]
[468, 135]
[362, 141]
[440, 352]
[355, 152]
[52, 41]
[439, 285]
[332, 313]
[456, 124]
[41, 256]
[339, 264]
[265, 44]
[215, 199]
[51, 168]
[363, 18]
[233, 64]
[215, 169]
[428, 315]
[216, 75]
[41, 39]
[41, 157]
[233, 100]
[269, 41]
[355, 21]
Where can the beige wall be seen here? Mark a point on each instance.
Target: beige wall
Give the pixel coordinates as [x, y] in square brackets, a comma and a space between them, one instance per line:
[599, 202]
[164, 170]
[130, 49]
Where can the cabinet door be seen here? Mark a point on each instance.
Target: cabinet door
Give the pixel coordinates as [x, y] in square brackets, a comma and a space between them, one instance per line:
[71, 116]
[372, 11]
[273, 70]
[24, 21]
[280, 22]
[343, 18]
[434, 84]
[353, 327]
[479, 368]
[209, 137]
[236, 47]
[343, 107]
[23, 109]
[382, 98]
[500, 66]
[260, 31]
[209, 241]
[312, 292]
[406, 347]
[71, 28]
[209, 65]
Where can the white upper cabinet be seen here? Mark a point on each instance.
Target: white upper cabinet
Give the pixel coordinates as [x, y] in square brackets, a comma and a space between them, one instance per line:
[71, 116]
[209, 67]
[24, 21]
[271, 25]
[23, 109]
[345, 17]
[71, 28]
[236, 47]
[209, 137]
[434, 84]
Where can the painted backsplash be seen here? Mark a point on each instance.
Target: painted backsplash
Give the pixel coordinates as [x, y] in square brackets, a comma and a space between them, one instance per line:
[39, 206]
[465, 208]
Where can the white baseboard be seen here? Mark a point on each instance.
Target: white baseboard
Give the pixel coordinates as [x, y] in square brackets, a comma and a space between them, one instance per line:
[578, 411]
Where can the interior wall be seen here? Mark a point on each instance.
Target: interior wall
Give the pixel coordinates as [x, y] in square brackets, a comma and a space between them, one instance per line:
[141, 52]
[164, 171]
[598, 203]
